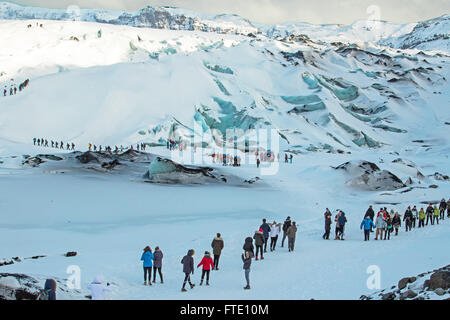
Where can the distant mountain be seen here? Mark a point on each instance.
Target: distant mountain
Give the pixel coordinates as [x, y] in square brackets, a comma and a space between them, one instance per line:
[152, 17]
[432, 34]
[427, 35]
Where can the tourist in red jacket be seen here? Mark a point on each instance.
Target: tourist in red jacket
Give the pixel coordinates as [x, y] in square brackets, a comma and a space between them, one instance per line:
[208, 264]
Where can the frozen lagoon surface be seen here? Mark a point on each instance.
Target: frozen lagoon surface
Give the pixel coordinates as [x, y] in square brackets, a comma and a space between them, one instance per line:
[108, 218]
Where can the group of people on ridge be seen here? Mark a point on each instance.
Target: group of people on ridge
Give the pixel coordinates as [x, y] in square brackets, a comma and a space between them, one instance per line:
[13, 88]
[54, 144]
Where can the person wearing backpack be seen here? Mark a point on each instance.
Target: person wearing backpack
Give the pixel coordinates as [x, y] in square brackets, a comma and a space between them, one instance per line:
[147, 258]
[98, 289]
[49, 292]
[208, 264]
[286, 225]
[247, 260]
[217, 246]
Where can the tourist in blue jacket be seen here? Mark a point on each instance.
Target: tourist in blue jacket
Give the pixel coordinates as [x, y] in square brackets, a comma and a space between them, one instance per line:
[147, 257]
[342, 221]
[367, 223]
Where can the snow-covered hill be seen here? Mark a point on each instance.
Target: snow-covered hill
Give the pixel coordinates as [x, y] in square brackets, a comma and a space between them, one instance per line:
[329, 97]
[433, 34]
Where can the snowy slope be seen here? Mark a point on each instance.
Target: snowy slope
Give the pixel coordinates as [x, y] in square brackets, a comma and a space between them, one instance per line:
[433, 34]
[319, 97]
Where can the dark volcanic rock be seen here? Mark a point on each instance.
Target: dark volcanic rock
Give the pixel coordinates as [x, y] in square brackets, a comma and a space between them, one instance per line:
[439, 279]
[111, 165]
[388, 296]
[404, 282]
[33, 162]
[88, 157]
[50, 157]
[167, 171]
[409, 294]
[71, 254]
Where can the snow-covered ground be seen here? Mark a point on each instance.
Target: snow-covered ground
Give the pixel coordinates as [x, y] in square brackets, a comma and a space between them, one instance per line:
[329, 104]
[109, 219]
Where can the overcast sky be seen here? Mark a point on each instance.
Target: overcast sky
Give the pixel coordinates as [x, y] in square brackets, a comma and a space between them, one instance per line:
[278, 11]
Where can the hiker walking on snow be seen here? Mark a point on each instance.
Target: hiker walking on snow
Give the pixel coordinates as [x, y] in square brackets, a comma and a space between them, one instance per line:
[408, 218]
[388, 230]
[259, 242]
[286, 225]
[147, 258]
[448, 208]
[442, 207]
[342, 221]
[157, 264]
[217, 245]
[98, 289]
[336, 221]
[436, 214]
[188, 268]
[208, 264]
[266, 230]
[275, 230]
[430, 212]
[291, 233]
[247, 260]
[327, 215]
[422, 216]
[396, 222]
[371, 215]
[380, 225]
[368, 225]
[415, 216]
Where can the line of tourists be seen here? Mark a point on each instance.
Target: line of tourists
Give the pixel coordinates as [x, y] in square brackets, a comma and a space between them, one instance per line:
[41, 142]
